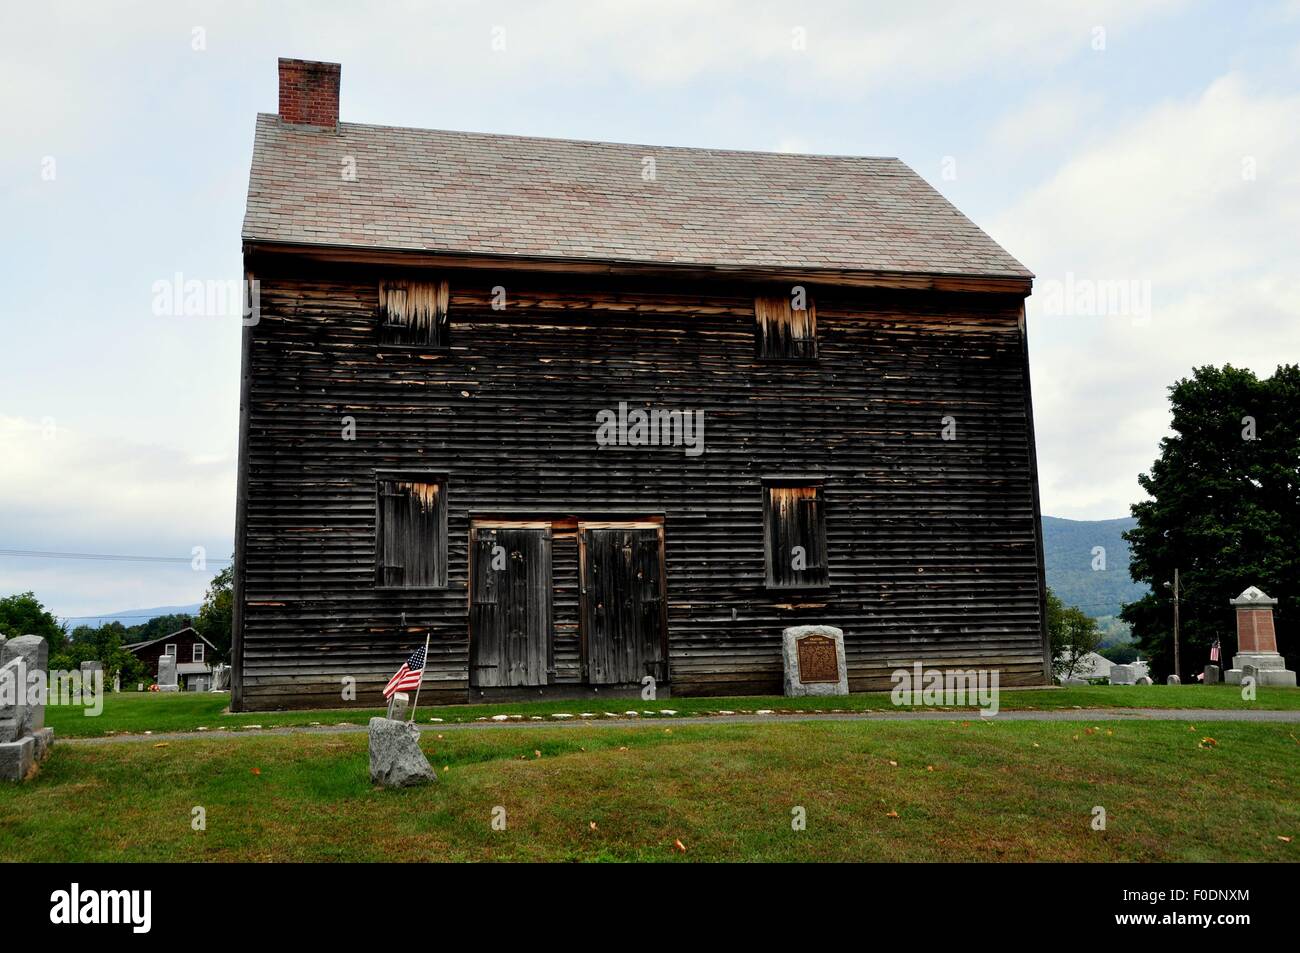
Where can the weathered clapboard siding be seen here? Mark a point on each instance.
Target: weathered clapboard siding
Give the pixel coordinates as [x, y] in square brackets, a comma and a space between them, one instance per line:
[931, 543]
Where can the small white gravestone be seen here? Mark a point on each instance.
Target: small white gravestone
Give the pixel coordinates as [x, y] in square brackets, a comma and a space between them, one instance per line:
[167, 674]
[89, 683]
[397, 706]
[814, 661]
[1123, 675]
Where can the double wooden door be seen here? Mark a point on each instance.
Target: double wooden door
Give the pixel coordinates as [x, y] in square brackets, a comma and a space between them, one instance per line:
[622, 606]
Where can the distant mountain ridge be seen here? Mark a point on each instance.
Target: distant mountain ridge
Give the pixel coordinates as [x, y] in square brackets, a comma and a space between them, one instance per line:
[130, 617]
[1068, 556]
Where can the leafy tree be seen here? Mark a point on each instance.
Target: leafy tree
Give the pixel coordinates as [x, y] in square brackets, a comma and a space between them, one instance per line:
[217, 613]
[1071, 633]
[103, 644]
[1119, 654]
[1224, 510]
[23, 614]
[157, 627]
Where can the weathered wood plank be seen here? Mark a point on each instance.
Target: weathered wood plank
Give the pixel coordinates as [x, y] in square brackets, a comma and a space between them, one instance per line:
[932, 547]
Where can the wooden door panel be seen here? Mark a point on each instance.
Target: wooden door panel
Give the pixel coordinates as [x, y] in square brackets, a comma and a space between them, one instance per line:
[510, 606]
[623, 603]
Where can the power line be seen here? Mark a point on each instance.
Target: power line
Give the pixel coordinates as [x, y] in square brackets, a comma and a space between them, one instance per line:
[110, 557]
[117, 617]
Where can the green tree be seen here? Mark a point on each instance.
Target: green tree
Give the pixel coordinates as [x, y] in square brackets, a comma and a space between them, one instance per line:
[157, 627]
[104, 644]
[1071, 633]
[1224, 510]
[217, 613]
[23, 614]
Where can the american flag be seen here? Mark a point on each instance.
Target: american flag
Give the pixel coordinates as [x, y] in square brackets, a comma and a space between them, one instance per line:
[1214, 651]
[409, 675]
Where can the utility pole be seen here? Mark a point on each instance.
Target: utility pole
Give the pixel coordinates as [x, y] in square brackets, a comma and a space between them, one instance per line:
[1178, 668]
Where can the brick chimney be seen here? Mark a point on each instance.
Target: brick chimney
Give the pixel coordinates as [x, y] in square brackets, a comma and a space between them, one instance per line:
[309, 93]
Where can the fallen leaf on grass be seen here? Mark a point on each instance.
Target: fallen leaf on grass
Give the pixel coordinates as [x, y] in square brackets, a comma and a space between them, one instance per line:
[679, 846]
[893, 764]
[161, 744]
[257, 771]
[892, 814]
[1283, 838]
[1208, 742]
[592, 825]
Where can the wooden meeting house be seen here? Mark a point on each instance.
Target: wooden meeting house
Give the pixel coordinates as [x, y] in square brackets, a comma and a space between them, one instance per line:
[586, 412]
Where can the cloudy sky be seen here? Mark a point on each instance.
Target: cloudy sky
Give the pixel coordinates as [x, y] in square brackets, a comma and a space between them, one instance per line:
[1153, 145]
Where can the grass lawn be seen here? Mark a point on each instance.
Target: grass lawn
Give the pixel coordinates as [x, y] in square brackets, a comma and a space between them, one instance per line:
[138, 712]
[948, 790]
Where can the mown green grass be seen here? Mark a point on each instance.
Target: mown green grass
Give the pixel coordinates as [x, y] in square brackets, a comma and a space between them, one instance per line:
[962, 790]
[138, 712]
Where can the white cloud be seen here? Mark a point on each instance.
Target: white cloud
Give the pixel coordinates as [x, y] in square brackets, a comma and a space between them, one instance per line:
[1049, 118]
[66, 488]
[1161, 198]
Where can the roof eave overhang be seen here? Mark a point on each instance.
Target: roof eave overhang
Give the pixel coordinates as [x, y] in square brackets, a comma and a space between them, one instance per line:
[254, 249]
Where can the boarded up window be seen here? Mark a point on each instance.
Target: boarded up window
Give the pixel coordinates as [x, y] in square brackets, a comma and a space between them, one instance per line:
[783, 332]
[411, 530]
[414, 312]
[795, 521]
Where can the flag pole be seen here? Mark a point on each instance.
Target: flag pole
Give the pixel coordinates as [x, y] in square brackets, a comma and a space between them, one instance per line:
[420, 683]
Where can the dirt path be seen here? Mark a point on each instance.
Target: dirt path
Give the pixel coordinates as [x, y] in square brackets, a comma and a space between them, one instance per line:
[1068, 714]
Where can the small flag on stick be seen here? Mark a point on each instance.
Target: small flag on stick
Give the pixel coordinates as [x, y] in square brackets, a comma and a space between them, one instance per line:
[1214, 651]
[409, 675]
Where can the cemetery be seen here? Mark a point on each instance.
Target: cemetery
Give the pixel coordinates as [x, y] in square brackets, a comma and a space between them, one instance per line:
[575, 780]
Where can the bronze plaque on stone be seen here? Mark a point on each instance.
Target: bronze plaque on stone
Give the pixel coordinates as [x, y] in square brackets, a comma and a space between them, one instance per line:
[818, 660]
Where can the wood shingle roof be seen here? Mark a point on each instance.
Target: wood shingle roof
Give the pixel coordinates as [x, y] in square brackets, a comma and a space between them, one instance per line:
[477, 194]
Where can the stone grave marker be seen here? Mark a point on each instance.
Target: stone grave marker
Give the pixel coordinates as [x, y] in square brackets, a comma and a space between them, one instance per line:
[1123, 675]
[814, 661]
[1257, 642]
[396, 760]
[24, 739]
[167, 674]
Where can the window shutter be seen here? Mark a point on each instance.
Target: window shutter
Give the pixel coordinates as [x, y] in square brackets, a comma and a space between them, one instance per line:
[795, 527]
[781, 332]
[411, 531]
[414, 313]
